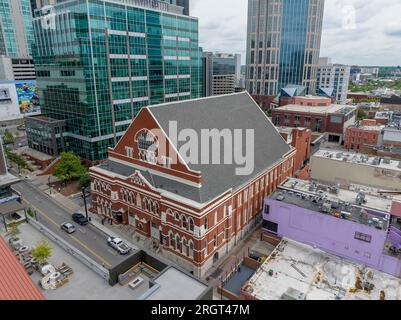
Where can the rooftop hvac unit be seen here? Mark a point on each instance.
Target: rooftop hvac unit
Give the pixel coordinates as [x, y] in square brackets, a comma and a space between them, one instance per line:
[387, 160]
[339, 155]
[345, 159]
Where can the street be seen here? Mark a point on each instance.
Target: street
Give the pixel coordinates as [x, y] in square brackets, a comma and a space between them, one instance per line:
[88, 239]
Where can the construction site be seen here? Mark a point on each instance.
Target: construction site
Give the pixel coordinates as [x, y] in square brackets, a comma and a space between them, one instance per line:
[295, 271]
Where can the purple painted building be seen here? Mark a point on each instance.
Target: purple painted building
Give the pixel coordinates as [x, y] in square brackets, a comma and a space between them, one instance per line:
[351, 224]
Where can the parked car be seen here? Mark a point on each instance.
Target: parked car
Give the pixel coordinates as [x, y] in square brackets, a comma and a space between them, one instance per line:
[68, 227]
[80, 219]
[120, 246]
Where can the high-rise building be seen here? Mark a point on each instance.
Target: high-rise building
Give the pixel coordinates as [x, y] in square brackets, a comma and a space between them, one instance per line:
[96, 79]
[283, 44]
[333, 77]
[221, 73]
[16, 32]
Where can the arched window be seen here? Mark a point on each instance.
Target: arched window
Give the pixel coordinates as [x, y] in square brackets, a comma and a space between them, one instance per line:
[206, 224]
[177, 241]
[191, 249]
[138, 201]
[184, 222]
[184, 246]
[150, 206]
[156, 208]
[146, 204]
[215, 240]
[191, 225]
[169, 212]
[132, 198]
[171, 239]
[176, 215]
[206, 248]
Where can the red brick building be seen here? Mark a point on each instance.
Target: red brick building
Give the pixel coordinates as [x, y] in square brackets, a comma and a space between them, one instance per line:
[300, 139]
[311, 101]
[196, 212]
[367, 132]
[331, 119]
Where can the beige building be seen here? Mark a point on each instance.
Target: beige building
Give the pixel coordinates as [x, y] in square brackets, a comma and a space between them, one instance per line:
[337, 167]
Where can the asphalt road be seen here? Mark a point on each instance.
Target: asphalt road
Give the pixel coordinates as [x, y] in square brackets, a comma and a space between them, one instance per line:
[87, 239]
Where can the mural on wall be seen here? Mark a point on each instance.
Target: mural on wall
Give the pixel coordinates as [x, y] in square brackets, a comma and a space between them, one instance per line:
[28, 97]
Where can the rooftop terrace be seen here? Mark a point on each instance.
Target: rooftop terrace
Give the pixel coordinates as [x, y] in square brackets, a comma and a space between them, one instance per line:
[295, 271]
[356, 204]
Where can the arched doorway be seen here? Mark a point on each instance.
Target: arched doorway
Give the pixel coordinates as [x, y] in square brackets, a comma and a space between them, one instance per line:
[215, 257]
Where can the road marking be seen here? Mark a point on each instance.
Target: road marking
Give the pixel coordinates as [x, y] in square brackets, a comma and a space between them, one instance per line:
[72, 237]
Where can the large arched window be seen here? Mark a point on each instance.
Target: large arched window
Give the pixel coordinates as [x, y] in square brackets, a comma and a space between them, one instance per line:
[156, 208]
[177, 242]
[184, 246]
[146, 204]
[191, 225]
[191, 249]
[138, 201]
[184, 223]
[176, 215]
[171, 239]
[147, 146]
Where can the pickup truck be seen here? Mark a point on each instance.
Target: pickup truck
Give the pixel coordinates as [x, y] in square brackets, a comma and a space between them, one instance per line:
[120, 246]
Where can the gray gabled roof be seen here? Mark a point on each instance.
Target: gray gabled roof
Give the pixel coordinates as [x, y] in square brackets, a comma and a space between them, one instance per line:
[236, 111]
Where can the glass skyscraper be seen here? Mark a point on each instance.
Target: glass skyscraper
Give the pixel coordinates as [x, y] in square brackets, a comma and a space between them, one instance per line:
[99, 62]
[16, 33]
[283, 44]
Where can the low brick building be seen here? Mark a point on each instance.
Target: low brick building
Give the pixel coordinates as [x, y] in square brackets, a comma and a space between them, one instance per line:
[196, 213]
[366, 132]
[300, 139]
[330, 119]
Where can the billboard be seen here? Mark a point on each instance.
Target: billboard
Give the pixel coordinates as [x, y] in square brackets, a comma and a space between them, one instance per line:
[28, 97]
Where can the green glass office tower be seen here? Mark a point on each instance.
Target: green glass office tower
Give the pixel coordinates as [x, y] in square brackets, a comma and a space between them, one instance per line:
[98, 62]
[16, 33]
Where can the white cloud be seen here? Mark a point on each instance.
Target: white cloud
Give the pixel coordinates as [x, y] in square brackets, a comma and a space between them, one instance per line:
[354, 31]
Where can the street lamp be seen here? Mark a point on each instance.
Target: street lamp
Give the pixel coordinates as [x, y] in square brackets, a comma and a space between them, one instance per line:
[84, 197]
[50, 188]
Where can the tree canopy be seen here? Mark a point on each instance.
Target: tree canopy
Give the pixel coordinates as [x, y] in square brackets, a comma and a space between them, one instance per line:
[18, 160]
[42, 251]
[69, 167]
[8, 137]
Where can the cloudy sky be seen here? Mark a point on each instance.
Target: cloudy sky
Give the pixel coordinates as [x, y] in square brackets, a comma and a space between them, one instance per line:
[354, 31]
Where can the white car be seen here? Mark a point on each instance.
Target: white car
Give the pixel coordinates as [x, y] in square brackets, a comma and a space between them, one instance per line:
[120, 246]
[68, 227]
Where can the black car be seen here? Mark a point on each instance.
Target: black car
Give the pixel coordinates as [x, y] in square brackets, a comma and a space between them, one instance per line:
[80, 219]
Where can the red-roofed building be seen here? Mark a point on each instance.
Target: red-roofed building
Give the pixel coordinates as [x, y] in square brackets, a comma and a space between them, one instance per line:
[15, 283]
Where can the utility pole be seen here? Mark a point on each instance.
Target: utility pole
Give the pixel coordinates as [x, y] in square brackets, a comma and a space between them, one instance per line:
[84, 197]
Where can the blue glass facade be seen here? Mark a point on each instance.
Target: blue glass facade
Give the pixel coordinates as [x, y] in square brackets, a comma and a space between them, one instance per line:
[99, 62]
[283, 44]
[294, 31]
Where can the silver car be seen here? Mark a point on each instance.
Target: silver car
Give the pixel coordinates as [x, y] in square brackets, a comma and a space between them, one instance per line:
[68, 227]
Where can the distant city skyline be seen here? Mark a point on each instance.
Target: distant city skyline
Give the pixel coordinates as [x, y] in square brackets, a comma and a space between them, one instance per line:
[349, 27]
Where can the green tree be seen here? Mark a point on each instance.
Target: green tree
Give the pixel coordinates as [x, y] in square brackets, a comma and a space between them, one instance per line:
[361, 115]
[18, 160]
[8, 137]
[85, 180]
[42, 251]
[69, 167]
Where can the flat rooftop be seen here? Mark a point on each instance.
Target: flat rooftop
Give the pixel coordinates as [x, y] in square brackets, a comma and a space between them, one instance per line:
[354, 204]
[8, 179]
[300, 272]
[331, 109]
[174, 284]
[361, 159]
